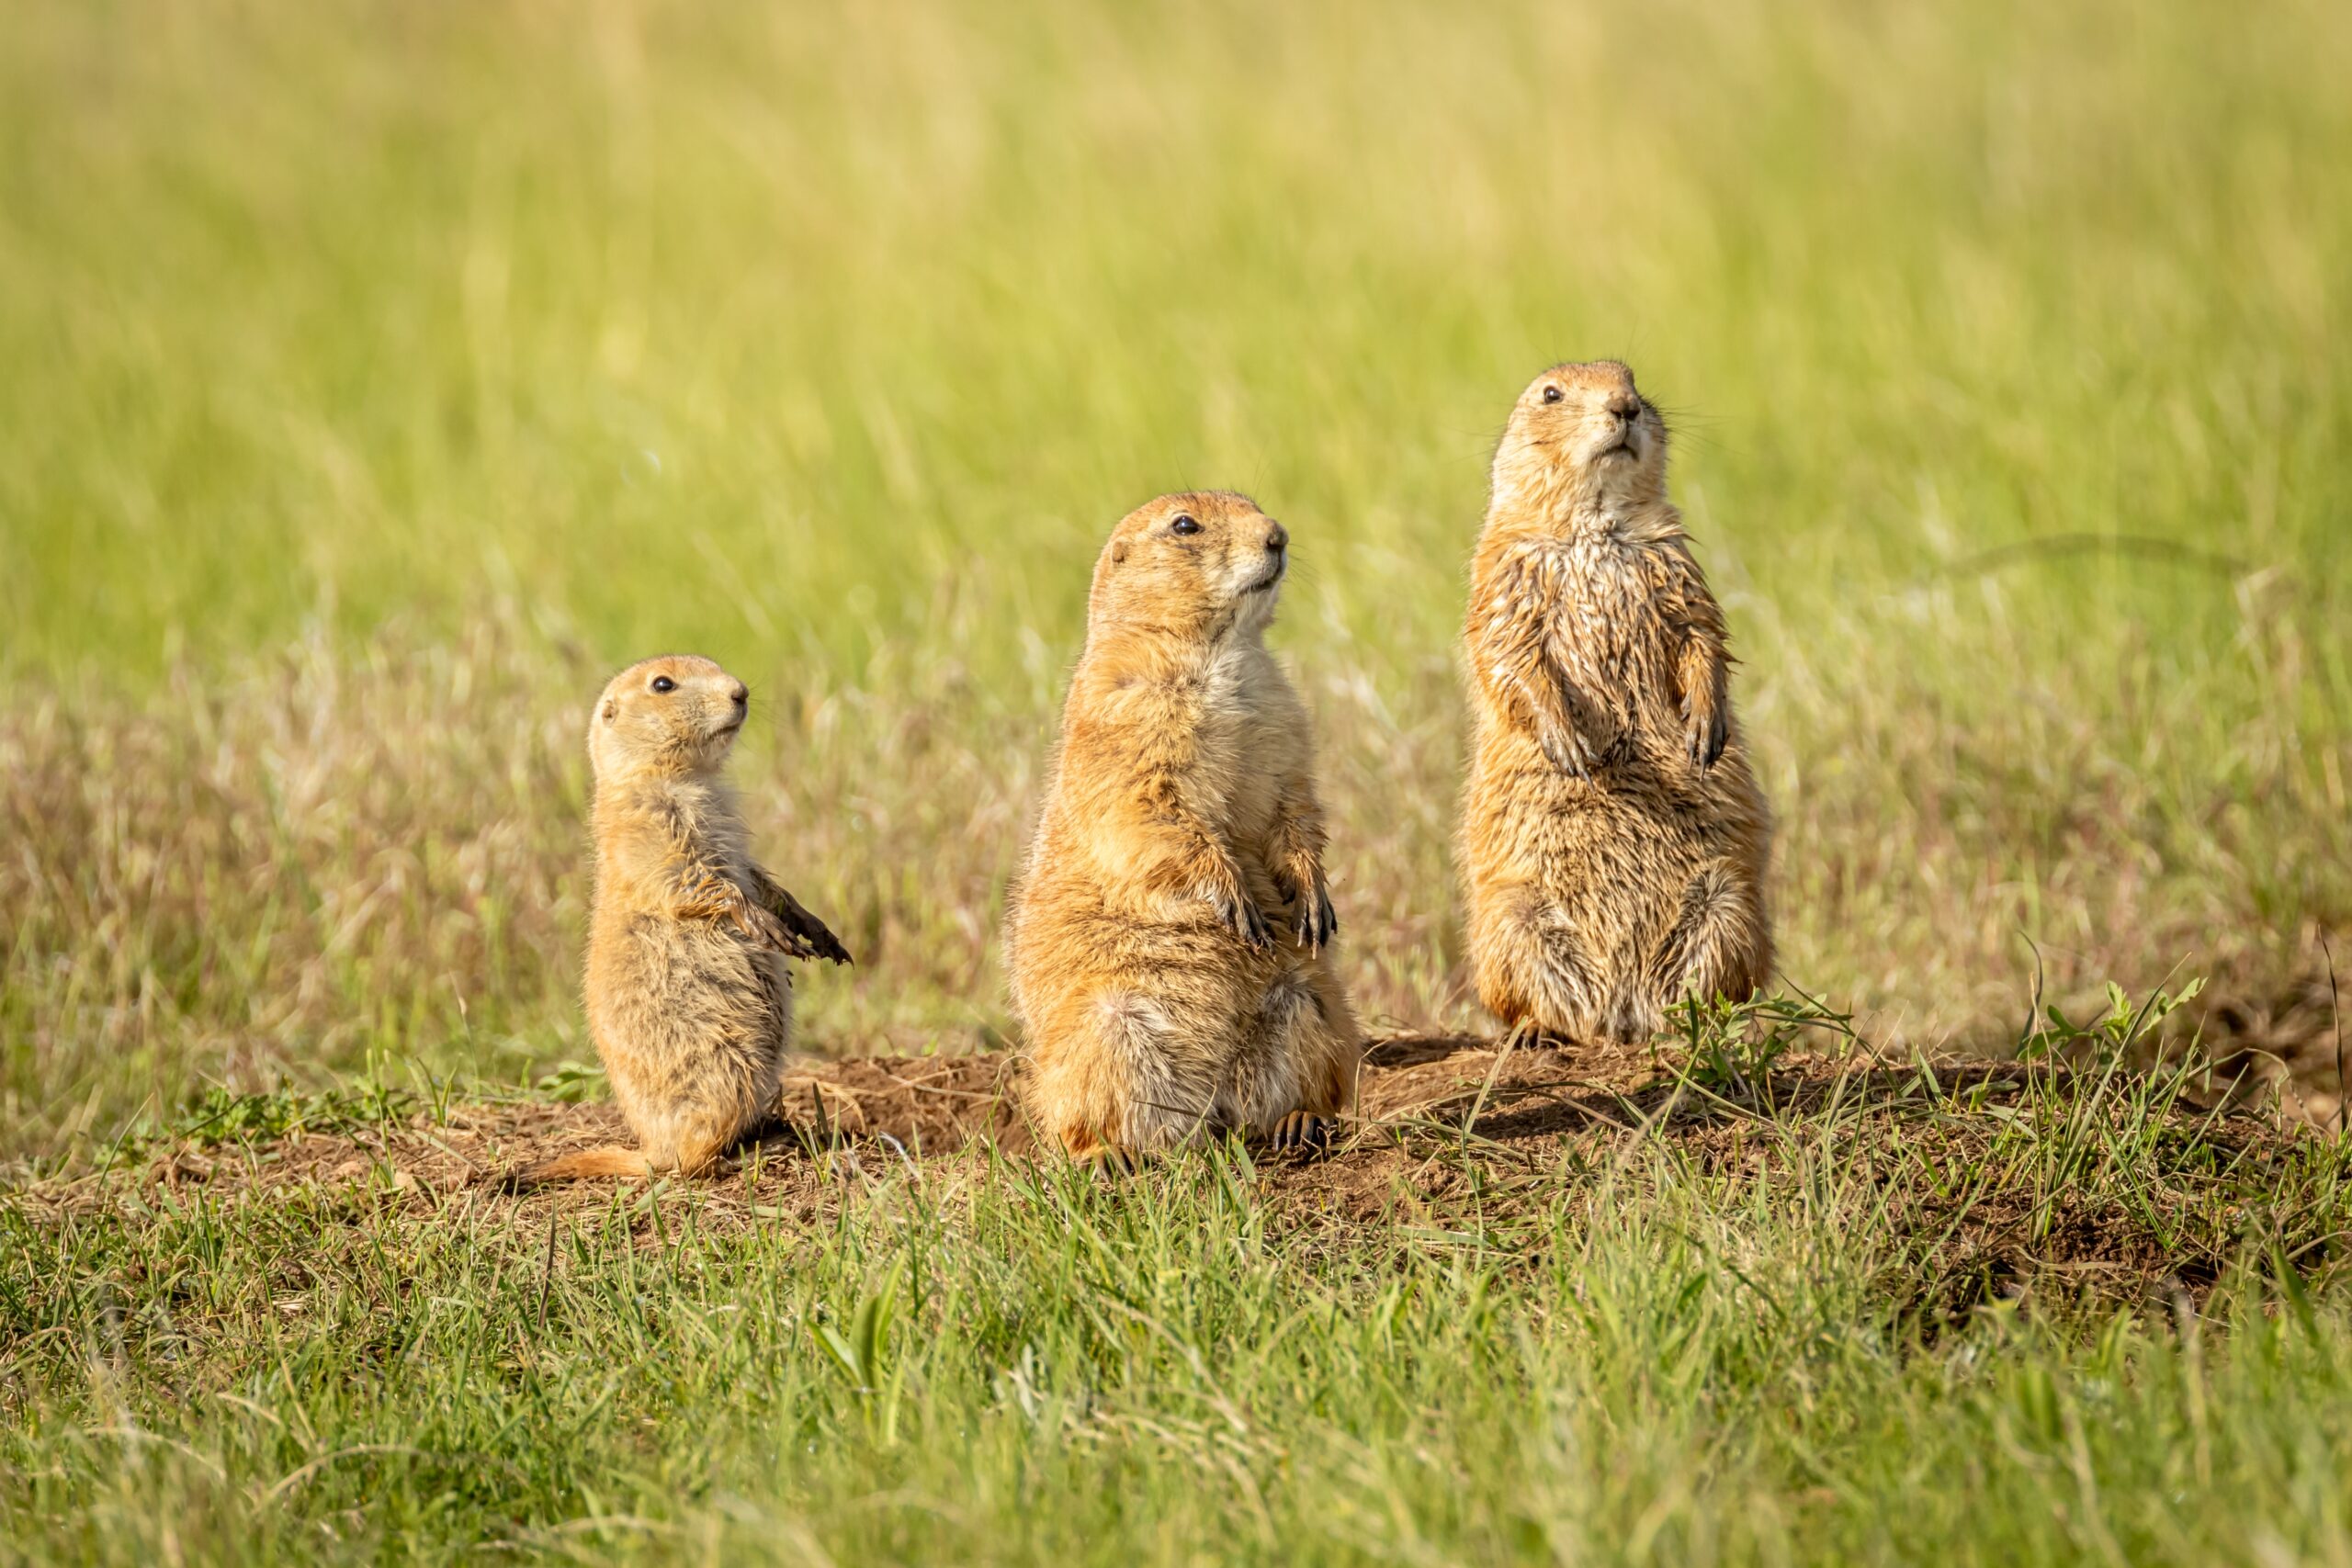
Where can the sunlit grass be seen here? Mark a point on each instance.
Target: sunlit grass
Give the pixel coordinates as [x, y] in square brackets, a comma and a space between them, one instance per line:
[1797, 1345]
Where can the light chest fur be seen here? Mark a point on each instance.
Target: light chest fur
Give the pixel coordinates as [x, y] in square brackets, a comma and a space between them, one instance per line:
[1606, 632]
[1243, 708]
[645, 830]
[1611, 599]
[1227, 727]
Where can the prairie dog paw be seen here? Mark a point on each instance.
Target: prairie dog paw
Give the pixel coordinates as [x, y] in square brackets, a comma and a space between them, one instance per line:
[760, 928]
[1318, 922]
[1304, 1133]
[1243, 917]
[1567, 750]
[1709, 733]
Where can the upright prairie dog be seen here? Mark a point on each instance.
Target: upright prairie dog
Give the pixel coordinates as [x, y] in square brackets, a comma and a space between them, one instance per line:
[688, 998]
[1169, 941]
[1614, 839]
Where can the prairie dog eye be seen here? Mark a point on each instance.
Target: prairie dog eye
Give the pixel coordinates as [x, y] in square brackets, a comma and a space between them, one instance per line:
[1553, 394]
[664, 684]
[1184, 523]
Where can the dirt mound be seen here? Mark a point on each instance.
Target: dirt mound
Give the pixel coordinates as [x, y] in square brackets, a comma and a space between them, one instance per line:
[2289, 1039]
[920, 1108]
[1981, 1162]
[890, 1107]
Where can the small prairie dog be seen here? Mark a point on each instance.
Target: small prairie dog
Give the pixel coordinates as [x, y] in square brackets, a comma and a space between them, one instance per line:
[1614, 839]
[1170, 940]
[688, 998]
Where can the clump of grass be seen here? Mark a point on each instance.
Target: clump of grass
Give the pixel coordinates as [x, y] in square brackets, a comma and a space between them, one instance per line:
[222, 1116]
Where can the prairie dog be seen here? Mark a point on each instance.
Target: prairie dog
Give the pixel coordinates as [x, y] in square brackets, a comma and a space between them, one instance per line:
[688, 997]
[1169, 941]
[1614, 839]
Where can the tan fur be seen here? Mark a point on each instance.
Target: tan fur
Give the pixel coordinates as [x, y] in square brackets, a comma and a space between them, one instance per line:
[688, 997]
[588, 1164]
[1614, 839]
[1168, 943]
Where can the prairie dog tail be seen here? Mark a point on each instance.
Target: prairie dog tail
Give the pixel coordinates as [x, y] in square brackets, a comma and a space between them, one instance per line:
[586, 1165]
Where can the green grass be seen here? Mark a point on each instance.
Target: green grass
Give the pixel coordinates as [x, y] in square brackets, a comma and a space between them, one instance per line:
[376, 378]
[1630, 1353]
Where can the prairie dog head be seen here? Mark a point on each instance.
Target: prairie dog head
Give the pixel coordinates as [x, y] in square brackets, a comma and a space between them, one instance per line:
[675, 714]
[1582, 435]
[1203, 564]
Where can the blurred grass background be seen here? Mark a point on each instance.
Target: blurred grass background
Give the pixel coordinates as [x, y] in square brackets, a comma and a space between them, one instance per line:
[375, 377]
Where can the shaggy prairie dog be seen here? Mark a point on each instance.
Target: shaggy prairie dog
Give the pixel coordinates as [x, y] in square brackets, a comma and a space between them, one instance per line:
[1170, 940]
[688, 998]
[1614, 839]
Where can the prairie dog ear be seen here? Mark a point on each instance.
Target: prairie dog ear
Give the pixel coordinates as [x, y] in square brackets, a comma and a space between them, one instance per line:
[612, 709]
[1119, 552]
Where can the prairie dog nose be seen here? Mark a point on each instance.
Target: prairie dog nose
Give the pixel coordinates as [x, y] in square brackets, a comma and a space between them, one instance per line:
[742, 695]
[1277, 538]
[1624, 405]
